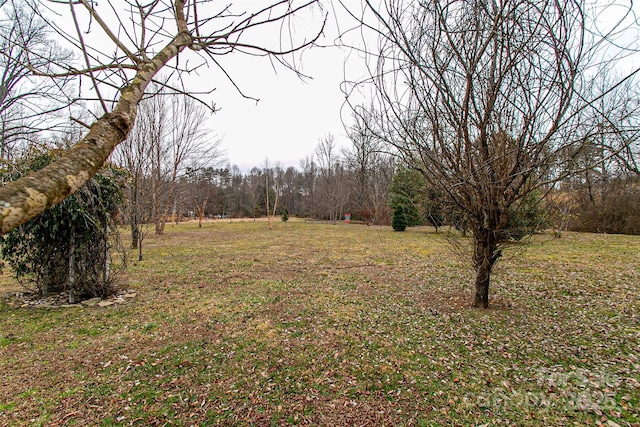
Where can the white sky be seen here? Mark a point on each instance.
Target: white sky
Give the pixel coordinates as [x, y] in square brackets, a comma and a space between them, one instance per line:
[291, 116]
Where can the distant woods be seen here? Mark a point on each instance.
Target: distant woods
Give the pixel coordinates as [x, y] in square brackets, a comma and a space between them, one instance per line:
[360, 180]
[327, 184]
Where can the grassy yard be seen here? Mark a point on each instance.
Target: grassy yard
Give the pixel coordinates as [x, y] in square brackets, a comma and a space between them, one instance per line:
[336, 325]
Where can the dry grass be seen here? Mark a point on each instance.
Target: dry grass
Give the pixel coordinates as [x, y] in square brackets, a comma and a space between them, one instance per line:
[314, 324]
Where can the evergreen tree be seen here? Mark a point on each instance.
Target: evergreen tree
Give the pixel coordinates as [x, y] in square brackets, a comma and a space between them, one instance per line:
[399, 220]
[407, 189]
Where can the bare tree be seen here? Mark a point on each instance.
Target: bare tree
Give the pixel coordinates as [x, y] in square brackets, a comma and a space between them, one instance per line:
[308, 187]
[370, 170]
[603, 196]
[187, 143]
[144, 38]
[169, 138]
[27, 102]
[133, 154]
[487, 100]
[331, 186]
[271, 211]
[199, 185]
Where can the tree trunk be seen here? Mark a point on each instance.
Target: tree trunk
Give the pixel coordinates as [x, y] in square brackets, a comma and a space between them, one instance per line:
[200, 210]
[160, 223]
[175, 211]
[134, 233]
[133, 213]
[483, 276]
[107, 257]
[133, 219]
[71, 277]
[155, 192]
[485, 256]
[162, 220]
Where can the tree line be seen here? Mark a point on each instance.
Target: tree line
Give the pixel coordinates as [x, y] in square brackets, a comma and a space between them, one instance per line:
[177, 177]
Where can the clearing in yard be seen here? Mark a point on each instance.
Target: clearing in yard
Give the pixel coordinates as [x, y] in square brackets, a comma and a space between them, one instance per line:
[335, 325]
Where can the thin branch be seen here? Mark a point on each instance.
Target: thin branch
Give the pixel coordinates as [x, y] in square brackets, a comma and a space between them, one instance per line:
[108, 32]
[86, 56]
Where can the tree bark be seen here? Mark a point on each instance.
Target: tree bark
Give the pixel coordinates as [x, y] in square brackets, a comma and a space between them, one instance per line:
[134, 215]
[485, 256]
[483, 276]
[134, 233]
[168, 203]
[200, 209]
[107, 257]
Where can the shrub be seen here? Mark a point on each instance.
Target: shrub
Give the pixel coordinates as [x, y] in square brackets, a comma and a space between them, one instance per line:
[399, 220]
[609, 207]
[67, 247]
[526, 217]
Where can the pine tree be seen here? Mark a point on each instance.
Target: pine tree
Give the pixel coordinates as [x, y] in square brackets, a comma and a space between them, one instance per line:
[399, 220]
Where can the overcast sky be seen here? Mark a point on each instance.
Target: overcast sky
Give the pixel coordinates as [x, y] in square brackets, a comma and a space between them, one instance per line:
[292, 115]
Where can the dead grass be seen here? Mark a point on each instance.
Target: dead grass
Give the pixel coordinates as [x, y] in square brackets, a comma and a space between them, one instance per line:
[314, 324]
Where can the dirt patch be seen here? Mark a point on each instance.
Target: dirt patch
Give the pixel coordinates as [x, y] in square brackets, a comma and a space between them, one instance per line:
[24, 299]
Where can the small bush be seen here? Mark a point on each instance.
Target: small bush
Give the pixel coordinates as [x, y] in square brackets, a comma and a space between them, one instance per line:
[399, 220]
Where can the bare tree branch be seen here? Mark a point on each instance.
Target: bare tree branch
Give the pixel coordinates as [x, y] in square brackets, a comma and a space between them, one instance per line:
[163, 33]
